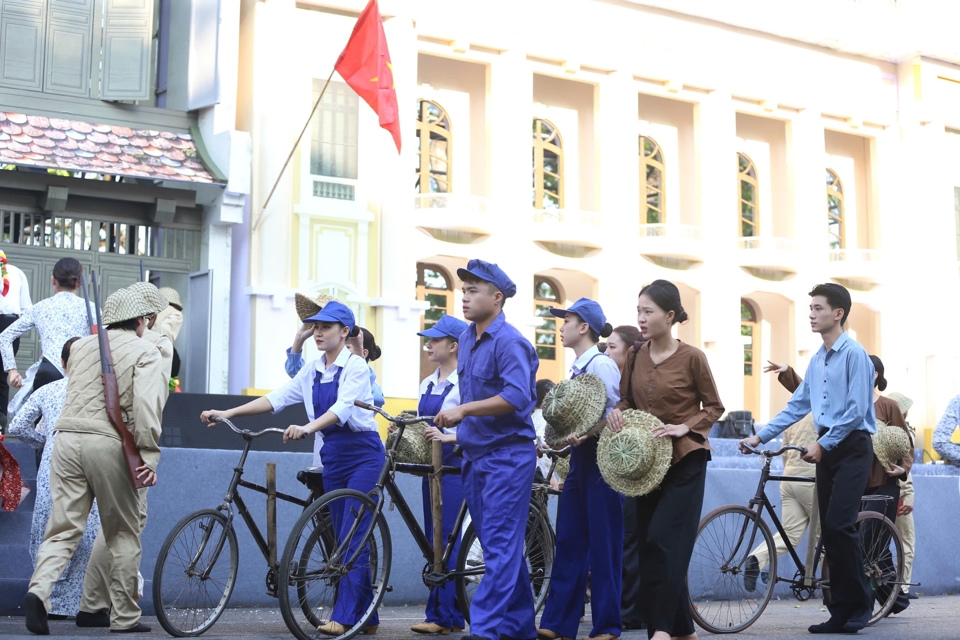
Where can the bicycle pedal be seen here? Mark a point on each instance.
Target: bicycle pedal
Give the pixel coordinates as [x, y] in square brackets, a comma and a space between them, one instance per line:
[389, 588]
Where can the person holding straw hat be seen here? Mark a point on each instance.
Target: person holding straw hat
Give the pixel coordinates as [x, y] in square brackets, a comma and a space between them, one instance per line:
[904, 522]
[438, 391]
[672, 381]
[497, 377]
[353, 452]
[590, 524]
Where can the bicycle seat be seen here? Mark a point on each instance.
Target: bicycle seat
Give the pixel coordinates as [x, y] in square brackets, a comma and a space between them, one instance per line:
[311, 477]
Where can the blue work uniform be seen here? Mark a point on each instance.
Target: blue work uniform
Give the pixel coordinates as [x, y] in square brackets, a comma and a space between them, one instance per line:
[352, 456]
[498, 469]
[443, 608]
[589, 530]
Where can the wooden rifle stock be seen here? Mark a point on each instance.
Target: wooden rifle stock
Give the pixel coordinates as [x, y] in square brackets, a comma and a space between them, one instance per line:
[111, 396]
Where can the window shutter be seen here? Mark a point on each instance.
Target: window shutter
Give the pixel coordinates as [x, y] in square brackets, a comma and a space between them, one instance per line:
[127, 48]
[68, 47]
[204, 81]
[21, 43]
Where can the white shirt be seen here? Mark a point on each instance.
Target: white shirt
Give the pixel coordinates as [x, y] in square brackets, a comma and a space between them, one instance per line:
[17, 299]
[452, 399]
[354, 385]
[604, 368]
[57, 319]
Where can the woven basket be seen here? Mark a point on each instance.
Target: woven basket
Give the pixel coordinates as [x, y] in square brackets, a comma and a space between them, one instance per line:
[890, 443]
[413, 447]
[576, 405]
[634, 462]
[563, 468]
[307, 307]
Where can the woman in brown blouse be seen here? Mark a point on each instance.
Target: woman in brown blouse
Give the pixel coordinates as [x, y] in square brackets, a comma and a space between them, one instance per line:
[672, 381]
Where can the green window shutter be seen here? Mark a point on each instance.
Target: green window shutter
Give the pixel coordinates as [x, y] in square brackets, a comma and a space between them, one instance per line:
[127, 49]
[68, 47]
[21, 43]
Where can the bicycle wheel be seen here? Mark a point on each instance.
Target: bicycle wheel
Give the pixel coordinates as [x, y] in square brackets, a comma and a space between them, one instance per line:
[538, 550]
[335, 547]
[195, 573]
[882, 561]
[721, 597]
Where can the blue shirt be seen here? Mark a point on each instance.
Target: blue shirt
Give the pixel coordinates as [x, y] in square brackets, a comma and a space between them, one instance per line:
[295, 363]
[501, 363]
[837, 389]
[602, 366]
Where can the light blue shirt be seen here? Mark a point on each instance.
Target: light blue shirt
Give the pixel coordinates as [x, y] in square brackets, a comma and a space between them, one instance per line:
[604, 368]
[837, 389]
[295, 363]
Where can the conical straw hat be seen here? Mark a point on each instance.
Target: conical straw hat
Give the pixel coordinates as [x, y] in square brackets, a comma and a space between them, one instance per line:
[634, 462]
[890, 443]
[308, 307]
[575, 405]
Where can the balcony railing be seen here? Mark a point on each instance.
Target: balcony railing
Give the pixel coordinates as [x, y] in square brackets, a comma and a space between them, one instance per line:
[572, 233]
[674, 246]
[768, 257]
[854, 255]
[860, 269]
[687, 231]
[453, 217]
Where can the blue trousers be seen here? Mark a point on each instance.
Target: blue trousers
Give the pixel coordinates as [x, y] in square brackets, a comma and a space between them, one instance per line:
[497, 487]
[352, 461]
[442, 605]
[589, 539]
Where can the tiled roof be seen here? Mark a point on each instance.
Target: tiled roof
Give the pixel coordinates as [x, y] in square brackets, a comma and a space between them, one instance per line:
[74, 145]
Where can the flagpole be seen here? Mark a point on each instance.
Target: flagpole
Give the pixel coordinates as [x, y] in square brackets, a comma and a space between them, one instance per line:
[292, 151]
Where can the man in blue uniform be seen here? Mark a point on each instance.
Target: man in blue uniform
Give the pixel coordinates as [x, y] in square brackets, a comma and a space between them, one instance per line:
[497, 377]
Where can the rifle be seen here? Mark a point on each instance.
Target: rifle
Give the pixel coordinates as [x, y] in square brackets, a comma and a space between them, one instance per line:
[131, 455]
[86, 300]
[143, 272]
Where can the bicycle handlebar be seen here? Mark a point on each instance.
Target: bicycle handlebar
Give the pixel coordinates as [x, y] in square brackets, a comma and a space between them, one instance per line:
[394, 419]
[773, 454]
[246, 432]
[543, 449]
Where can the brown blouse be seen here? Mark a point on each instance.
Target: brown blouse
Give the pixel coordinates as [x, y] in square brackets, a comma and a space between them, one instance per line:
[887, 410]
[679, 390]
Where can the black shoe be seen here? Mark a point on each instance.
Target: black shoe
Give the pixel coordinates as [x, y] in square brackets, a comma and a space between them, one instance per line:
[856, 624]
[912, 596]
[751, 571]
[901, 603]
[830, 626]
[96, 619]
[630, 624]
[56, 616]
[140, 628]
[36, 615]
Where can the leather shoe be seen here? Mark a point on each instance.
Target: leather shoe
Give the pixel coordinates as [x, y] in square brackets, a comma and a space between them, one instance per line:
[751, 571]
[336, 629]
[430, 628]
[830, 626]
[139, 628]
[36, 615]
[95, 619]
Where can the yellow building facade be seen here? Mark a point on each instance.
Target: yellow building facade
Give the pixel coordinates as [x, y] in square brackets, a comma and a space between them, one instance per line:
[590, 148]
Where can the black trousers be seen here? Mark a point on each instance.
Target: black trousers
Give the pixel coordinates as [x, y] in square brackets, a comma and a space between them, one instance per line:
[631, 606]
[46, 373]
[5, 321]
[668, 519]
[877, 538]
[842, 475]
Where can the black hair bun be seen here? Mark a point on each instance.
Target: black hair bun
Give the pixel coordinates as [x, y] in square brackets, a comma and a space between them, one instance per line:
[354, 332]
[374, 353]
[607, 330]
[881, 383]
[681, 315]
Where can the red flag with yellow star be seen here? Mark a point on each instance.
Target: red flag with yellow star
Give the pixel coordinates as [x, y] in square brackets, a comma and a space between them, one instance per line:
[365, 66]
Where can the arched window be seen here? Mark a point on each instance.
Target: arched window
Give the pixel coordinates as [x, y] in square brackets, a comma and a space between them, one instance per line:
[435, 287]
[434, 141]
[749, 200]
[748, 322]
[750, 336]
[547, 295]
[651, 181]
[835, 226]
[547, 166]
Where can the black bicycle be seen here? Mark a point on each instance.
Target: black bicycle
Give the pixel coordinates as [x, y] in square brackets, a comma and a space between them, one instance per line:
[312, 570]
[196, 568]
[726, 598]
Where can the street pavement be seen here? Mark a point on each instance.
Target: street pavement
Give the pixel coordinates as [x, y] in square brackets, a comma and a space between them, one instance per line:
[928, 618]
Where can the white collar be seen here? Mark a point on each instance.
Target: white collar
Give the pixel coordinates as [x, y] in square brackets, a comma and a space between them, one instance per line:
[581, 362]
[341, 360]
[451, 379]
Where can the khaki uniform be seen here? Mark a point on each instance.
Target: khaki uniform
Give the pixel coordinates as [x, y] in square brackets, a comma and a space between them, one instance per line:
[169, 322]
[88, 463]
[96, 583]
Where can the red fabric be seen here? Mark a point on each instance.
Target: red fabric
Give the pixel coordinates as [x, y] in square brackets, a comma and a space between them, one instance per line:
[12, 489]
[365, 66]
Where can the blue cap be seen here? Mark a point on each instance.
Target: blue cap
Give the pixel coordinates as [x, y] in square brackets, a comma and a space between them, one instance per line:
[587, 309]
[335, 311]
[491, 273]
[446, 327]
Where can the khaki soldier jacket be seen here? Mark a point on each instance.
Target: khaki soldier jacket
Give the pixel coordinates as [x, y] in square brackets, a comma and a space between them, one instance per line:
[137, 365]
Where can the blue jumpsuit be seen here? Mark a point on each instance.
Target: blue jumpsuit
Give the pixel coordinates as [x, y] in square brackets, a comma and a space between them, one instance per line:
[442, 605]
[351, 460]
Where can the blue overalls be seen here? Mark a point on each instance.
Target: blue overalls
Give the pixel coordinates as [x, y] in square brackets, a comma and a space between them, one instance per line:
[589, 539]
[442, 606]
[351, 460]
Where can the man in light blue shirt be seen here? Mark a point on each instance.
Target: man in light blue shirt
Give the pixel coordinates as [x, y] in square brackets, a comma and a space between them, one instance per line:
[838, 390]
